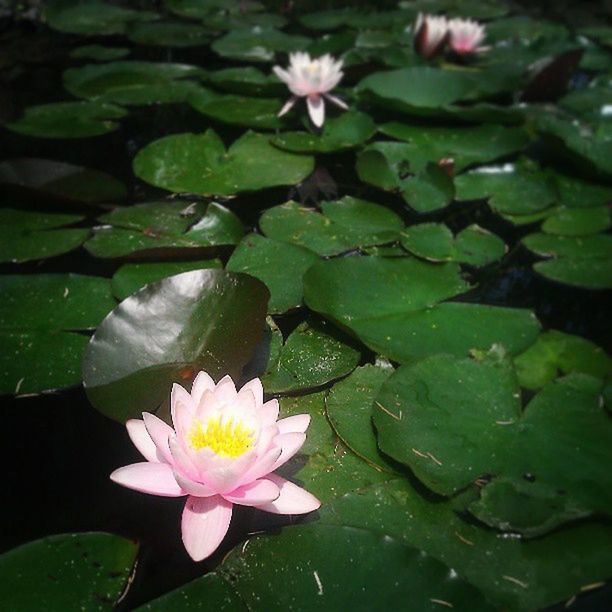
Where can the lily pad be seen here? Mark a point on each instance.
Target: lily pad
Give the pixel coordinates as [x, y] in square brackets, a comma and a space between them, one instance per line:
[435, 242]
[343, 225]
[99, 53]
[578, 193]
[429, 190]
[556, 353]
[349, 409]
[347, 131]
[258, 113]
[257, 44]
[201, 9]
[582, 261]
[97, 18]
[132, 82]
[464, 145]
[311, 357]
[220, 317]
[510, 188]
[168, 34]
[87, 571]
[279, 265]
[61, 179]
[164, 227]
[199, 163]
[453, 421]
[68, 120]
[567, 221]
[246, 81]
[129, 278]
[25, 235]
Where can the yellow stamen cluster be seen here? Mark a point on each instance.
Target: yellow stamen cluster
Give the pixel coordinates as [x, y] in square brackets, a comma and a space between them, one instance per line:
[227, 438]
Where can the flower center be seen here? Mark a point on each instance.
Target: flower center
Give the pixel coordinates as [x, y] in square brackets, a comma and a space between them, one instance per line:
[227, 438]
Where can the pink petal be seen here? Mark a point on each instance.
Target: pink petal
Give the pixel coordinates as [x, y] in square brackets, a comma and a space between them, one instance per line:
[204, 525]
[292, 499]
[337, 101]
[192, 487]
[181, 459]
[262, 466]
[298, 422]
[316, 109]
[290, 444]
[256, 388]
[287, 106]
[222, 474]
[203, 382]
[152, 478]
[268, 413]
[160, 432]
[142, 440]
[225, 391]
[182, 408]
[254, 494]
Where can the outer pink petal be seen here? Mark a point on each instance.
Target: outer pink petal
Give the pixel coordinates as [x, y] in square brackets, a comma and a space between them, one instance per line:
[142, 440]
[298, 422]
[254, 494]
[192, 487]
[182, 408]
[182, 461]
[316, 109]
[290, 444]
[256, 388]
[225, 391]
[152, 478]
[204, 525]
[292, 499]
[262, 467]
[268, 413]
[203, 382]
[160, 433]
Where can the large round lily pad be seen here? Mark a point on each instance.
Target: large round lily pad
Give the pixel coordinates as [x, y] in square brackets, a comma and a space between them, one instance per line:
[213, 319]
[199, 163]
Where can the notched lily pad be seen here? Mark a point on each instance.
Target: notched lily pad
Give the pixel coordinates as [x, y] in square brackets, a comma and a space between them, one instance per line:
[199, 163]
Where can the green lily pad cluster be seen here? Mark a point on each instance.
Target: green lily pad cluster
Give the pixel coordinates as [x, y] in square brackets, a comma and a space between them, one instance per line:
[403, 275]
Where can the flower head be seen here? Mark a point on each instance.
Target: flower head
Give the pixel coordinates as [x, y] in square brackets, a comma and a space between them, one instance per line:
[465, 36]
[430, 34]
[312, 79]
[222, 450]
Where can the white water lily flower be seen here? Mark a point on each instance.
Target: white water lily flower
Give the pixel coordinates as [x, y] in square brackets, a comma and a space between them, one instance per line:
[312, 79]
[465, 36]
[430, 34]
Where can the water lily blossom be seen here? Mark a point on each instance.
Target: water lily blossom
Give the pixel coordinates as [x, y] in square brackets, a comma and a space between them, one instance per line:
[312, 79]
[430, 34]
[465, 36]
[222, 450]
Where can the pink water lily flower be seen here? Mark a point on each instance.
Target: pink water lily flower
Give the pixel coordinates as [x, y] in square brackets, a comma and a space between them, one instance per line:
[222, 451]
[430, 34]
[465, 36]
[312, 79]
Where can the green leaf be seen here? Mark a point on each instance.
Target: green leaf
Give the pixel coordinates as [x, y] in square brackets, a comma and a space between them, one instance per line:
[61, 179]
[464, 145]
[521, 575]
[168, 34]
[68, 120]
[257, 113]
[556, 353]
[309, 561]
[131, 82]
[199, 163]
[258, 44]
[280, 265]
[578, 193]
[349, 409]
[510, 188]
[217, 318]
[129, 278]
[311, 357]
[343, 225]
[349, 130]
[567, 221]
[164, 226]
[453, 421]
[587, 273]
[28, 235]
[246, 81]
[97, 18]
[431, 241]
[429, 190]
[478, 247]
[84, 571]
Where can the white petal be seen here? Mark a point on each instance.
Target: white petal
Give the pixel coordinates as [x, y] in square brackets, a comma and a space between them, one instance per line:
[204, 524]
[316, 109]
[288, 106]
[337, 101]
